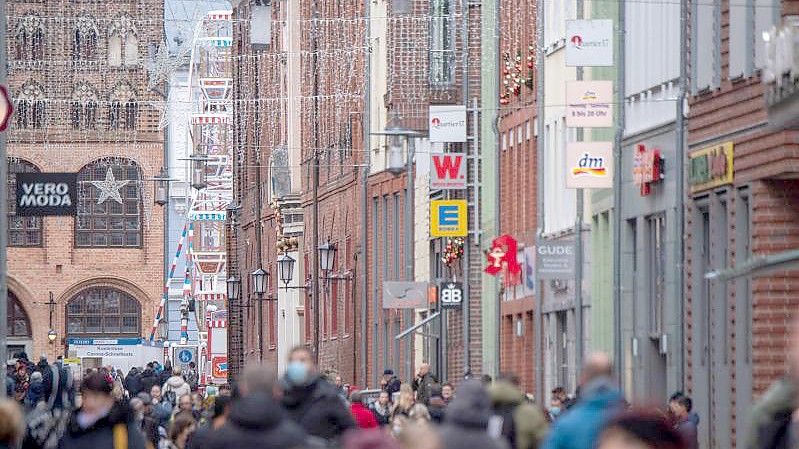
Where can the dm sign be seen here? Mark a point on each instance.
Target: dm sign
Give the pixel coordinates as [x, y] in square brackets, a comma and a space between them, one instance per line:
[40, 194]
[711, 167]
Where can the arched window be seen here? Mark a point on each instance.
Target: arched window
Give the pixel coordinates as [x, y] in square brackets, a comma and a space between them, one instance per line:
[22, 231]
[123, 42]
[31, 106]
[84, 40]
[84, 107]
[103, 311]
[109, 205]
[19, 325]
[123, 109]
[29, 39]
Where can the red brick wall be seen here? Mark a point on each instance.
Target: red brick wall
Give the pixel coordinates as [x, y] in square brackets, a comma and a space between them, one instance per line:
[58, 266]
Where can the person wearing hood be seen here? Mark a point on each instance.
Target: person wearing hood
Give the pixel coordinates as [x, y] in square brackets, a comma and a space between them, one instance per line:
[100, 422]
[177, 385]
[256, 420]
[524, 426]
[311, 401]
[600, 401]
[466, 422]
[35, 390]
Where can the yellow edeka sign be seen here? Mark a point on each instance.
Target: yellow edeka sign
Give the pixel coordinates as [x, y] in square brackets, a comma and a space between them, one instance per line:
[448, 218]
[711, 167]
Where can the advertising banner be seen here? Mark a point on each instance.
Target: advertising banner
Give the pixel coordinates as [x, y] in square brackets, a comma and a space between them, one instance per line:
[555, 259]
[589, 43]
[447, 171]
[711, 167]
[447, 123]
[589, 104]
[448, 218]
[589, 165]
[46, 194]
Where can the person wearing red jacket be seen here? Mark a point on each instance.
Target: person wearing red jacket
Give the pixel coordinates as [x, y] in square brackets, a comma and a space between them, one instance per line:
[364, 417]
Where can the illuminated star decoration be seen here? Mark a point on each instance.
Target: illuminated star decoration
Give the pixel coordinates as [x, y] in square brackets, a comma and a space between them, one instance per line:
[109, 188]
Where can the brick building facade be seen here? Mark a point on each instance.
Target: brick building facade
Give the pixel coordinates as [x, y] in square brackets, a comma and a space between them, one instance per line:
[742, 194]
[78, 76]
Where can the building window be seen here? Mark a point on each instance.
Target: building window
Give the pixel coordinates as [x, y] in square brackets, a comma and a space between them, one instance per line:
[31, 106]
[706, 45]
[123, 108]
[657, 276]
[29, 39]
[22, 231]
[83, 114]
[103, 311]
[84, 40]
[19, 325]
[109, 205]
[442, 51]
[123, 43]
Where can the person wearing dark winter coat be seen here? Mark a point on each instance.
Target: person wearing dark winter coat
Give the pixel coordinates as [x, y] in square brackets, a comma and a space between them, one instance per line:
[390, 383]
[466, 423]
[423, 384]
[311, 401]
[684, 422]
[147, 379]
[257, 422]
[35, 390]
[437, 407]
[47, 377]
[382, 408]
[100, 421]
[133, 382]
[165, 374]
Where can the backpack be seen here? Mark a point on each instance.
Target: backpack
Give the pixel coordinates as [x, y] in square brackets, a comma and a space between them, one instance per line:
[502, 425]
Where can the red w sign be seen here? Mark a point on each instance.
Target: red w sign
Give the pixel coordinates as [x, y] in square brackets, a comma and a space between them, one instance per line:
[447, 171]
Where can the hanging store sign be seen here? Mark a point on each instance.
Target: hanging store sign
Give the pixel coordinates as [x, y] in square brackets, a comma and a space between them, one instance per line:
[46, 194]
[555, 259]
[647, 168]
[219, 367]
[589, 43]
[450, 295]
[448, 218]
[589, 165]
[503, 257]
[589, 104]
[447, 123]
[448, 171]
[711, 167]
[405, 295]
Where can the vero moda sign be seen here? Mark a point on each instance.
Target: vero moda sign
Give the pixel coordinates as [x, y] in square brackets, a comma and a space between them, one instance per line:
[447, 171]
[46, 194]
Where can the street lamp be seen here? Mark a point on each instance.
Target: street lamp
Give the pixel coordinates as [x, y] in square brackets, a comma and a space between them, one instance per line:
[259, 278]
[51, 336]
[233, 288]
[285, 269]
[327, 257]
[161, 193]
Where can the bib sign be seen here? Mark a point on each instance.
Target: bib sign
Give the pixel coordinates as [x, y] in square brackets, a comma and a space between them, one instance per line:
[45, 194]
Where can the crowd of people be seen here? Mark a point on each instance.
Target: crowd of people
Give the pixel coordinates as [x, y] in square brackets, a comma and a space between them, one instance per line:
[160, 407]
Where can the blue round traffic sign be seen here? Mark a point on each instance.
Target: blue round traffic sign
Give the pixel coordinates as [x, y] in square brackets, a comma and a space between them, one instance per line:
[185, 356]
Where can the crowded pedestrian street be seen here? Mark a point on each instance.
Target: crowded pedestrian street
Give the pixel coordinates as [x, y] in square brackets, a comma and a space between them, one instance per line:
[399, 224]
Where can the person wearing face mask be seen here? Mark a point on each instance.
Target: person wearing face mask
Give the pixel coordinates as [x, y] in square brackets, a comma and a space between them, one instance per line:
[311, 401]
[101, 422]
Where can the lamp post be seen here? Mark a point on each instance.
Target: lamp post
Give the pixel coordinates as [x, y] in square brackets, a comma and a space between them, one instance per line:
[259, 278]
[161, 187]
[285, 269]
[51, 336]
[400, 139]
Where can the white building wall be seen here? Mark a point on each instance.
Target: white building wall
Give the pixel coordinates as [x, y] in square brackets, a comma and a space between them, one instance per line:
[378, 82]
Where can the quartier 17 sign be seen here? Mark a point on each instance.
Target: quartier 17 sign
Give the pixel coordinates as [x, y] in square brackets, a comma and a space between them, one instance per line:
[711, 167]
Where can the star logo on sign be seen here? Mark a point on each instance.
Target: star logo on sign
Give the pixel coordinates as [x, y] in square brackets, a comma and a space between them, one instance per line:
[109, 188]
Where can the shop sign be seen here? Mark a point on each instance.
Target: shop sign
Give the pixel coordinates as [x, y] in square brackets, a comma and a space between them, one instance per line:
[711, 167]
[450, 296]
[447, 123]
[503, 257]
[589, 165]
[405, 295]
[589, 104]
[46, 194]
[555, 259]
[589, 43]
[448, 218]
[219, 366]
[448, 171]
[647, 168]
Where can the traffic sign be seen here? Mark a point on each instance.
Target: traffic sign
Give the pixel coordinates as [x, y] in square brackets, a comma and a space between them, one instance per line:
[6, 108]
[448, 218]
[185, 356]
